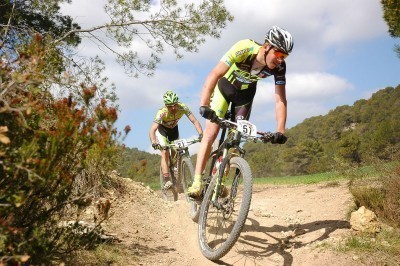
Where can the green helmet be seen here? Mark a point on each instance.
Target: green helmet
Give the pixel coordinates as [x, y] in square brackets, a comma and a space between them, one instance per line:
[170, 97]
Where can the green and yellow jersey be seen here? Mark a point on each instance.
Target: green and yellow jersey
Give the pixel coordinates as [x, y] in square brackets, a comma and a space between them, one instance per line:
[240, 58]
[169, 120]
[239, 84]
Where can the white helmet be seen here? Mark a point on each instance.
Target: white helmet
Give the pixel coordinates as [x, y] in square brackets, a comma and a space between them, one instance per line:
[280, 38]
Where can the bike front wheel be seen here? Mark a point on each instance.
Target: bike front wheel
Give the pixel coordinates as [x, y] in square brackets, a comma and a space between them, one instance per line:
[221, 221]
[187, 174]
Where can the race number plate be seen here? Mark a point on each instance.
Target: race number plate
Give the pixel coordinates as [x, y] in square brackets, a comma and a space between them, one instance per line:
[181, 143]
[247, 128]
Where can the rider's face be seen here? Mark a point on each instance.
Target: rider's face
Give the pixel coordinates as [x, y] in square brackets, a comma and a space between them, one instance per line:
[274, 57]
[172, 108]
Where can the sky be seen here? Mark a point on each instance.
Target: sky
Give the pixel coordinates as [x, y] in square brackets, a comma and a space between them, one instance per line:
[342, 53]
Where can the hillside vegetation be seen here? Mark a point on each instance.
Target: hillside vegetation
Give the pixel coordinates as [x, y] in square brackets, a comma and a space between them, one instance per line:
[357, 135]
[139, 165]
[348, 135]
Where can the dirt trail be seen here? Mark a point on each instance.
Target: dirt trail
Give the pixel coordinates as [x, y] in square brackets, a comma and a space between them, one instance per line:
[286, 226]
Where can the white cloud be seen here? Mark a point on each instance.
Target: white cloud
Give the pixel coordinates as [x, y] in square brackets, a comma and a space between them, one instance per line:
[316, 26]
[322, 31]
[86, 13]
[308, 94]
[148, 91]
[315, 86]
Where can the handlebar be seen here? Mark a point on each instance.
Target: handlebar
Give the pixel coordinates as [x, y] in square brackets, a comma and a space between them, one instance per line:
[225, 123]
[180, 144]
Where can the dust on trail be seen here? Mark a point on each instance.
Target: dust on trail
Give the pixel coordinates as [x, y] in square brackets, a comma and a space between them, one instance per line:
[286, 225]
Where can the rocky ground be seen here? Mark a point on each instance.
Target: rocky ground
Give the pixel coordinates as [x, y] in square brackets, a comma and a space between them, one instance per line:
[287, 225]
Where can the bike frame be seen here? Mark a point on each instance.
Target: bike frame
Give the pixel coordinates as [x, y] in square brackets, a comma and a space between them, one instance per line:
[179, 167]
[179, 153]
[231, 210]
[231, 141]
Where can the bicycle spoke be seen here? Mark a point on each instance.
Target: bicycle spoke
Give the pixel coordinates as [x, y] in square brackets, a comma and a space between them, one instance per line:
[221, 222]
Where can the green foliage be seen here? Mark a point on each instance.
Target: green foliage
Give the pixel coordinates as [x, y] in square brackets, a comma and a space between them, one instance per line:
[46, 145]
[348, 136]
[155, 25]
[57, 112]
[355, 135]
[184, 27]
[329, 178]
[348, 147]
[140, 166]
[391, 14]
[20, 19]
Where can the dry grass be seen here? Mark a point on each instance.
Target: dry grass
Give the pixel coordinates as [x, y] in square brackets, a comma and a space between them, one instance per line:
[381, 195]
[105, 255]
[380, 249]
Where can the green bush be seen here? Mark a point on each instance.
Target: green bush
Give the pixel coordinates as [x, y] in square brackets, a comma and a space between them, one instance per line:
[46, 145]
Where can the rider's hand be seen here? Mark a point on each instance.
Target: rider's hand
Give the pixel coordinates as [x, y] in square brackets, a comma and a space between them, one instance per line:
[200, 136]
[208, 113]
[266, 137]
[156, 146]
[278, 138]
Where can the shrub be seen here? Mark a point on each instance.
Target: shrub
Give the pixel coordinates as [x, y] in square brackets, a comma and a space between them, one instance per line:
[47, 144]
[380, 194]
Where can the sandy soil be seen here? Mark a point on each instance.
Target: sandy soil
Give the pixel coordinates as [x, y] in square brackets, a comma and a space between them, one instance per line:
[286, 225]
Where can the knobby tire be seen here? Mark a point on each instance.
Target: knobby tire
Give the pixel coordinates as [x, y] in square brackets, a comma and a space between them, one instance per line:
[187, 174]
[219, 231]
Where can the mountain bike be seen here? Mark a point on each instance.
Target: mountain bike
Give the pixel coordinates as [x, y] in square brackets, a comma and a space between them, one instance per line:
[221, 210]
[180, 169]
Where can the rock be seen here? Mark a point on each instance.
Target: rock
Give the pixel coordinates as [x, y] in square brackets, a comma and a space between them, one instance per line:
[364, 220]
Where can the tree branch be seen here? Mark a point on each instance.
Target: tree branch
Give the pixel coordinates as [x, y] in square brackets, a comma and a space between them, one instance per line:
[7, 26]
[115, 25]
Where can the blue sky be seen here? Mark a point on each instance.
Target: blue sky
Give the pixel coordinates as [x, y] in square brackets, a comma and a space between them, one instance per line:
[342, 53]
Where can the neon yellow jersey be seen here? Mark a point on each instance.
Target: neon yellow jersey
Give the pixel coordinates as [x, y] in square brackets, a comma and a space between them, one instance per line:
[240, 58]
[169, 120]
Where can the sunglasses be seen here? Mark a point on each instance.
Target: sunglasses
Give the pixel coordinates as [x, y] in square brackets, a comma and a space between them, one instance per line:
[170, 105]
[280, 55]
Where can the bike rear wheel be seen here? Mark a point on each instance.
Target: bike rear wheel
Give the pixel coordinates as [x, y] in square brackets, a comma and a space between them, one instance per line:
[220, 226]
[170, 194]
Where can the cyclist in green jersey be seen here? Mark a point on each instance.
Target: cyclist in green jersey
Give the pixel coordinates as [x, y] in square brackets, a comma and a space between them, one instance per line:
[165, 128]
[234, 80]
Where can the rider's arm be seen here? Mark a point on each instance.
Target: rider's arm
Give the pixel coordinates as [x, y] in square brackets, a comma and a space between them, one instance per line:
[281, 107]
[152, 133]
[196, 123]
[211, 81]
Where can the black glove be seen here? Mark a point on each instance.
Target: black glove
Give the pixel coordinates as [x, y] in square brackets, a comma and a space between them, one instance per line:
[156, 146]
[208, 113]
[267, 137]
[278, 138]
[200, 136]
